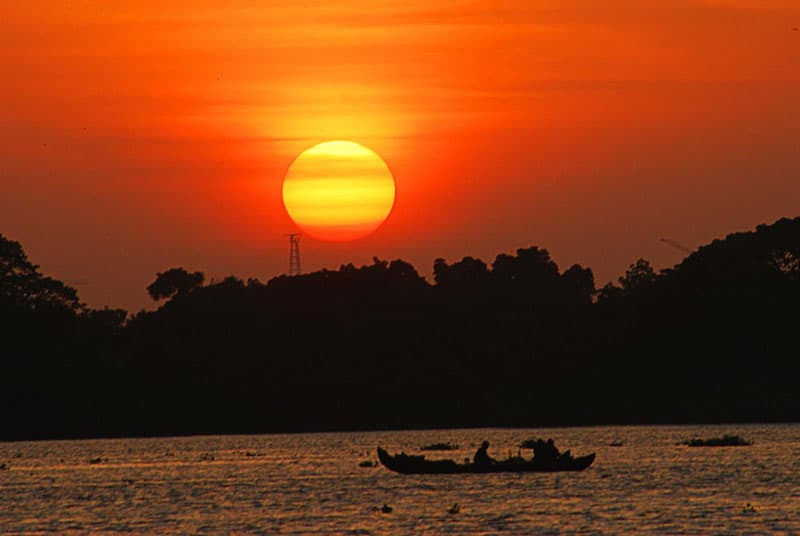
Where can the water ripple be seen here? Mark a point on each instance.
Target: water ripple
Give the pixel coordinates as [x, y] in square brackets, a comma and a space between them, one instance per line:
[311, 483]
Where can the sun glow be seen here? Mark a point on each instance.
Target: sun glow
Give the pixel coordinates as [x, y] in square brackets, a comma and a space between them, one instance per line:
[338, 191]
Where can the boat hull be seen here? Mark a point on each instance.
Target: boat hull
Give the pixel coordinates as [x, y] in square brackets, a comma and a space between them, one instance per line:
[418, 465]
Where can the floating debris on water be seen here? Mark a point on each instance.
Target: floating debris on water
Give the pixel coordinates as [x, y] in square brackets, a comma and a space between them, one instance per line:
[368, 463]
[456, 508]
[98, 459]
[440, 446]
[728, 440]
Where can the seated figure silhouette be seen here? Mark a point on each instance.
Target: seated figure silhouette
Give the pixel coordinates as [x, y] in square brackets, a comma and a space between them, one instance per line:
[481, 456]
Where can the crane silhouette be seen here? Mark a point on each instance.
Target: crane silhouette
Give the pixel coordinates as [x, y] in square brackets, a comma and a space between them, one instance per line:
[675, 245]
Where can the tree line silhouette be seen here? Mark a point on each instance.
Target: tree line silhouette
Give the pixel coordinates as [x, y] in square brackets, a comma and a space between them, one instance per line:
[517, 343]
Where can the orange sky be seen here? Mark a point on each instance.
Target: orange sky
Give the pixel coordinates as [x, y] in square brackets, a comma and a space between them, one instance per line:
[141, 135]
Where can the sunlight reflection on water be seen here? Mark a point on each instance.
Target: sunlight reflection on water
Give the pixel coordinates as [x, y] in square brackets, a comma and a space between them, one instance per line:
[311, 483]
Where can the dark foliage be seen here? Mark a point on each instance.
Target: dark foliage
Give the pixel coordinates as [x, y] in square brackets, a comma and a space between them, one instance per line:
[519, 343]
[58, 360]
[173, 282]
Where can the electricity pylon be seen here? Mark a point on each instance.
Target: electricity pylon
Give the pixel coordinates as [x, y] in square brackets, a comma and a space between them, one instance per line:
[294, 253]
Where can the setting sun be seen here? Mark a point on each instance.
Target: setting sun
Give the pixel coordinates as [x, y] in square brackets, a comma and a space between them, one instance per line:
[338, 191]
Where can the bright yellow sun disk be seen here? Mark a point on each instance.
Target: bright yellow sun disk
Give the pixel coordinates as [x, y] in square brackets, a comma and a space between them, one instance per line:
[338, 190]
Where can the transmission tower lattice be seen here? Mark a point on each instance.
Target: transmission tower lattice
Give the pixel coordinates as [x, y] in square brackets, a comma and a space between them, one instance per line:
[294, 254]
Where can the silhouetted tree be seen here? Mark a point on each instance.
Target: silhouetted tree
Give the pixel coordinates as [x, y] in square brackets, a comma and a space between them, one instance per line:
[106, 320]
[468, 273]
[532, 267]
[22, 285]
[174, 282]
[639, 276]
[402, 271]
[579, 283]
[608, 292]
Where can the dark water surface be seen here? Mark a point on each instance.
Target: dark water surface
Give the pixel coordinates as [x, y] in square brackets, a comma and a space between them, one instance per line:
[311, 483]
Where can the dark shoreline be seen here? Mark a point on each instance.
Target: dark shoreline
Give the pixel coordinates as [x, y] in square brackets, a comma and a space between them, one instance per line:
[520, 342]
[399, 429]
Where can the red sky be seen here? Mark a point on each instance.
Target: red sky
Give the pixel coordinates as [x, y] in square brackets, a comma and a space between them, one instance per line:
[143, 135]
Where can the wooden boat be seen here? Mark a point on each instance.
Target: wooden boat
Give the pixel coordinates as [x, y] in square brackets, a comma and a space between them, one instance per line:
[418, 465]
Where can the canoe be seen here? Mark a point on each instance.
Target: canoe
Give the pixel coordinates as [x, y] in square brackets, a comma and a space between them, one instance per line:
[418, 465]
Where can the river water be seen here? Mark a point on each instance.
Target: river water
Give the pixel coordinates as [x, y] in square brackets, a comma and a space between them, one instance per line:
[312, 483]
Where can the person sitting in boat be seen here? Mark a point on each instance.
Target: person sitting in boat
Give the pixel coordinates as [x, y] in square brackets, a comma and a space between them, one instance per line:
[552, 449]
[481, 456]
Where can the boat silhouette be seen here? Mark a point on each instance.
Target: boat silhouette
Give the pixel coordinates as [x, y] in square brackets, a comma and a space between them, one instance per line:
[417, 465]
